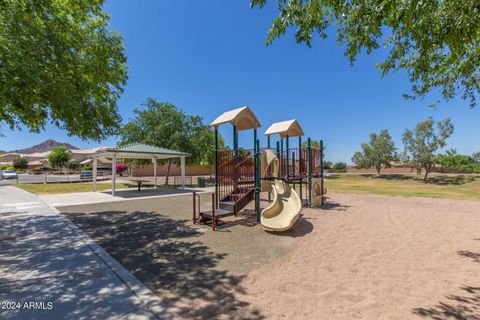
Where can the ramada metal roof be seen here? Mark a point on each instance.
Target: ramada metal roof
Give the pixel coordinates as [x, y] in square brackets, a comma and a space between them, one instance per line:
[141, 151]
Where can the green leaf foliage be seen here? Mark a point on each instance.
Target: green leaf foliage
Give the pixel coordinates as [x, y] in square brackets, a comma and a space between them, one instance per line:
[421, 144]
[436, 42]
[60, 63]
[378, 153]
[163, 125]
[340, 165]
[458, 162]
[59, 158]
[20, 163]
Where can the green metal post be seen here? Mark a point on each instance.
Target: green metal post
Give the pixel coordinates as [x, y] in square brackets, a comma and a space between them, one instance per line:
[287, 169]
[278, 157]
[257, 180]
[293, 168]
[281, 158]
[215, 161]
[235, 140]
[268, 147]
[309, 155]
[235, 154]
[321, 171]
[300, 167]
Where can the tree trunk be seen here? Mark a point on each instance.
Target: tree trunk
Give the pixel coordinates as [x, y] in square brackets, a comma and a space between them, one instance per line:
[378, 171]
[168, 172]
[427, 171]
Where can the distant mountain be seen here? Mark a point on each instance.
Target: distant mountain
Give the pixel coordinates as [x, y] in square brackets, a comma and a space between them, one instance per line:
[46, 145]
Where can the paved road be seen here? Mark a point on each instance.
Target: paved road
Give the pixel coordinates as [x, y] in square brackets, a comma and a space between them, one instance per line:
[48, 263]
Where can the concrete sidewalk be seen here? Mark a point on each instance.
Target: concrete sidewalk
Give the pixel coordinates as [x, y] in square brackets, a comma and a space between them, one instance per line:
[49, 269]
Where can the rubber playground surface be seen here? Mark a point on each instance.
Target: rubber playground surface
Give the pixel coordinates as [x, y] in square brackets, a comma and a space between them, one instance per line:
[360, 257]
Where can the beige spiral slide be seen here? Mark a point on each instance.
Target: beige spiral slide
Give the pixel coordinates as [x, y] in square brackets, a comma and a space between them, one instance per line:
[285, 208]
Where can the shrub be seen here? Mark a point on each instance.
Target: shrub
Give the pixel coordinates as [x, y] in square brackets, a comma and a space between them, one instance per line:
[120, 167]
[4, 166]
[457, 162]
[86, 168]
[20, 163]
[340, 165]
[327, 165]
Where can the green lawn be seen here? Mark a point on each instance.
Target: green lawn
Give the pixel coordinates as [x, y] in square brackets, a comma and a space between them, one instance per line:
[462, 187]
[65, 187]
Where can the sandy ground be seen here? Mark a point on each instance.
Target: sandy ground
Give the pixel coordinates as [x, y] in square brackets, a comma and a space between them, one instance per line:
[360, 257]
[377, 257]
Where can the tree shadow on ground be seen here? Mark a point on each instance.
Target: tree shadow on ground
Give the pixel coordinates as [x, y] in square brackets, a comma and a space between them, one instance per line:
[397, 177]
[450, 180]
[332, 176]
[331, 205]
[475, 256]
[437, 179]
[164, 254]
[458, 307]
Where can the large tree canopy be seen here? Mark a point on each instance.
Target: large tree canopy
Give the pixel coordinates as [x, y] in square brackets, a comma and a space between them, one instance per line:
[377, 154]
[59, 63]
[164, 125]
[422, 143]
[437, 42]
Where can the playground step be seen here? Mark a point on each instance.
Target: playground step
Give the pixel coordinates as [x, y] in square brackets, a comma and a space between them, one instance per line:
[219, 213]
[227, 205]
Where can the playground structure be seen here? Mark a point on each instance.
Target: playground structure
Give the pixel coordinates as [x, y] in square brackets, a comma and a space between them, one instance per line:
[242, 174]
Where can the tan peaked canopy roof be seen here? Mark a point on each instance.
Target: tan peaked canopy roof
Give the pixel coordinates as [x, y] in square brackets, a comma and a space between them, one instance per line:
[289, 128]
[242, 117]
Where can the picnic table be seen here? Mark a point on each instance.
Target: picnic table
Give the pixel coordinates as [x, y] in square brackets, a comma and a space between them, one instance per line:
[139, 183]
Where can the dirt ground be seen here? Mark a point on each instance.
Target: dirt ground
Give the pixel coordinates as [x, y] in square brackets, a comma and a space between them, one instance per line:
[360, 257]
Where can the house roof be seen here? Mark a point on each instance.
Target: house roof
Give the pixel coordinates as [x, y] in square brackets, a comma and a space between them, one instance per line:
[141, 151]
[89, 151]
[289, 128]
[243, 118]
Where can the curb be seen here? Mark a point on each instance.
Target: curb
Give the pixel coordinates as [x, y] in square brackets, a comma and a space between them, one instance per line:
[146, 296]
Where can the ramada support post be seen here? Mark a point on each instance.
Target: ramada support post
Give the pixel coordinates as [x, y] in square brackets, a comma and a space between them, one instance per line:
[94, 174]
[154, 161]
[114, 173]
[182, 171]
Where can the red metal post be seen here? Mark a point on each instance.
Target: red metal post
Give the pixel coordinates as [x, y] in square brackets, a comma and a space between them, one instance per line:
[213, 212]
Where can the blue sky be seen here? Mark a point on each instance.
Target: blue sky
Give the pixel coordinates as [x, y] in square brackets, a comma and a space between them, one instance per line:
[207, 57]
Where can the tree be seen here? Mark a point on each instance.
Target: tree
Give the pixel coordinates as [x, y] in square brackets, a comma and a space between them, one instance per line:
[327, 165]
[435, 42]
[20, 163]
[59, 157]
[476, 157]
[163, 125]
[340, 165]
[313, 144]
[60, 63]
[458, 162]
[377, 154]
[421, 144]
